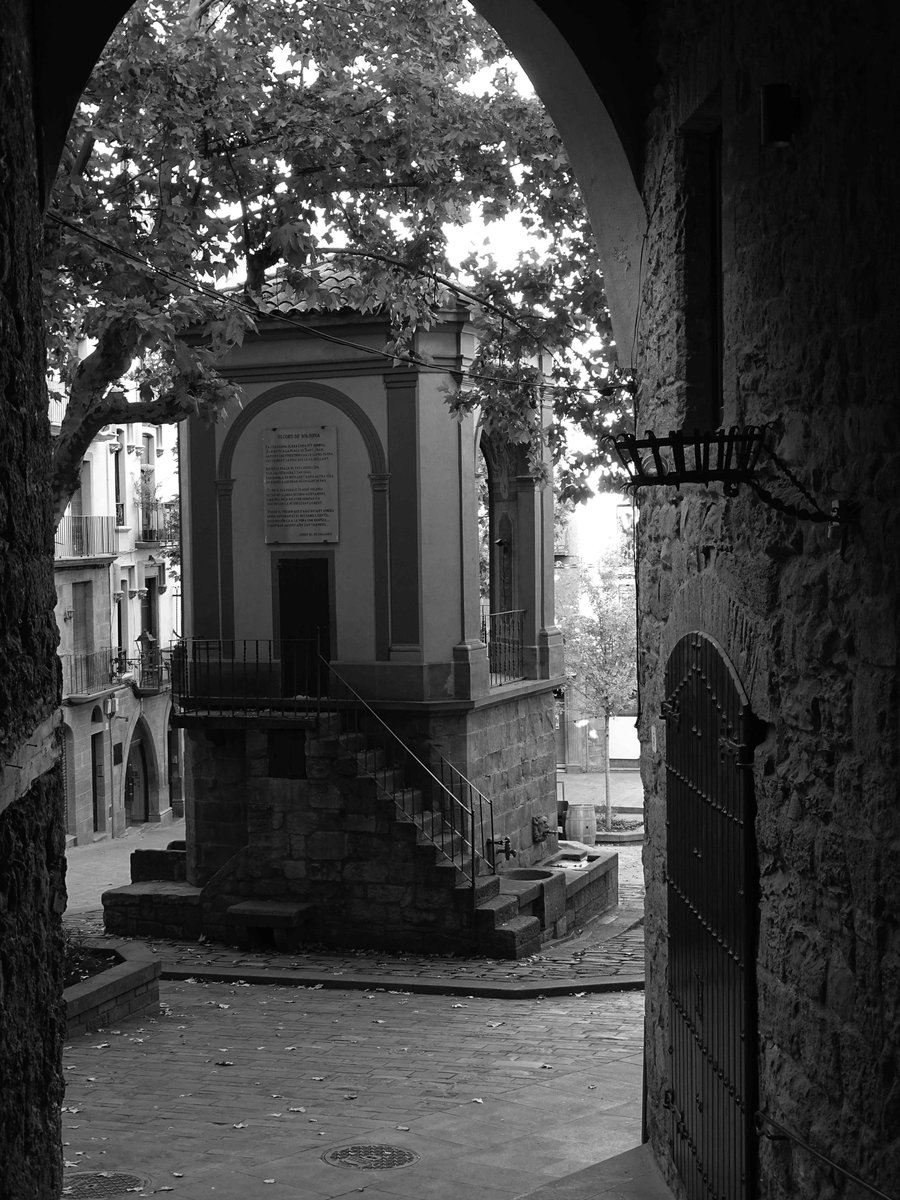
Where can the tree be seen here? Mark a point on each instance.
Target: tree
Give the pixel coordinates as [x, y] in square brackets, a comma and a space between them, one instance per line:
[222, 140]
[597, 617]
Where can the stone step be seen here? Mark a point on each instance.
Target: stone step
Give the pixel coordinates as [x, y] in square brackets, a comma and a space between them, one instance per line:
[517, 938]
[496, 911]
[286, 922]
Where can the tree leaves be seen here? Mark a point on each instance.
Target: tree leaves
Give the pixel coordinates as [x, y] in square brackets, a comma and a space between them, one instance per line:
[236, 139]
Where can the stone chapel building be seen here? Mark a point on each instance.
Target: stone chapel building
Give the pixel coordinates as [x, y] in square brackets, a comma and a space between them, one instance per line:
[738, 164]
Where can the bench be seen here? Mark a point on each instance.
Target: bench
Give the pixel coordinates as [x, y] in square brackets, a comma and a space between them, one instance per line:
[261, 923]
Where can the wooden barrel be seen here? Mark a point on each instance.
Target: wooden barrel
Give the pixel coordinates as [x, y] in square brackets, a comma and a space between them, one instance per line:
[581, 824]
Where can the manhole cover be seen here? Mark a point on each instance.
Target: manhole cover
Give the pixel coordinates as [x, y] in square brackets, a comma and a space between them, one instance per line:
[102, 1183]
[371, 1158]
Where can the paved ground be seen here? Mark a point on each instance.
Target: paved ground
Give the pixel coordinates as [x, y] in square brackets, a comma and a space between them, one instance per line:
[236, 1092]
[515, 1076]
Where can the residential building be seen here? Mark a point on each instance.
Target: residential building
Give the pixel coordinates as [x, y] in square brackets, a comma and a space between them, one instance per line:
[117, 612]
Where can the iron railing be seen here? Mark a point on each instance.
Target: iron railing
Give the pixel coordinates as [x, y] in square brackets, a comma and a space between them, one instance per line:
[151, 522]
[84, 674]
[438, 799]
[265, 677]
[85, 537]
[150, 671]
[502, 633]
[248, 676]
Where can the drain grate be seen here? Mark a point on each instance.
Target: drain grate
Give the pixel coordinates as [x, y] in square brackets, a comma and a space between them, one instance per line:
[95, 1186]
[370, 1158]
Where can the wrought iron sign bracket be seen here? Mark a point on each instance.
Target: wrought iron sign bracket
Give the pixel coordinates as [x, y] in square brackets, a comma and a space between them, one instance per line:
[727, 456]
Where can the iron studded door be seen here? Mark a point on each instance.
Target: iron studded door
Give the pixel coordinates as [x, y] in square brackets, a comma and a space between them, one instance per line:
[712, 886]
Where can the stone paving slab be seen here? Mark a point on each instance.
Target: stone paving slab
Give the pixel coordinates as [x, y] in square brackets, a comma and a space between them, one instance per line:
[233, 1086]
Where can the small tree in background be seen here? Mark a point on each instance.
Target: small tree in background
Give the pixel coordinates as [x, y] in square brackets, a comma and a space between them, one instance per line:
[595, 609]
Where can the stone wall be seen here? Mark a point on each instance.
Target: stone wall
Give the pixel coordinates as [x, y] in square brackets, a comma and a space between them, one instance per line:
[506, 746]
[31, 813]
[333, 841]
[807, 614]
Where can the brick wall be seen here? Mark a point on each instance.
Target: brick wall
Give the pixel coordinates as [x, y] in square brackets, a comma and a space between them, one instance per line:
[809, 619]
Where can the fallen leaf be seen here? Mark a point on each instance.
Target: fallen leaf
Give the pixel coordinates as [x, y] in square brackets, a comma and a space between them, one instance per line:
[476, 1100]
[403, 1128]
[223, 1062]
[293, 1108]
[240, 1125]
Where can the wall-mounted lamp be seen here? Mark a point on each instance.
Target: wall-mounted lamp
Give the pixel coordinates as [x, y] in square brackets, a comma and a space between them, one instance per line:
[68, 614]
[727, 456]
[110, 706]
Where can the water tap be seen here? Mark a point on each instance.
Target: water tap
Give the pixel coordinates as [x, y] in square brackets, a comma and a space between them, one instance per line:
[504, 847]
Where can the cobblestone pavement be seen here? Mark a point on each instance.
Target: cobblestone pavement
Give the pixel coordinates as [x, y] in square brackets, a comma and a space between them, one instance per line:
[608, 953]
[235, 1092]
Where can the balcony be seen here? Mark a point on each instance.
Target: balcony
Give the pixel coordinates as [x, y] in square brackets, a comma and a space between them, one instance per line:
[87, 674]
[502, 633]
[85, 537]
[149, 671]
[151, 524]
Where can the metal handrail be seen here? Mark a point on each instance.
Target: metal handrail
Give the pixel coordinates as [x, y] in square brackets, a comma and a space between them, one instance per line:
[784, 1134]
[464, 820]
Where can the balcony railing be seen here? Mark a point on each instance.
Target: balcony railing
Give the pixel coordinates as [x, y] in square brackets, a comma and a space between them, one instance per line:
[224, 676]
[151, 523]
[149, 671]
[84, 674]
[503, 635]
[85, 537]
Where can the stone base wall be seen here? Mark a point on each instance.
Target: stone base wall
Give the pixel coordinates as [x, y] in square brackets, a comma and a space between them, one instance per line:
[333, 841]
[507, 748]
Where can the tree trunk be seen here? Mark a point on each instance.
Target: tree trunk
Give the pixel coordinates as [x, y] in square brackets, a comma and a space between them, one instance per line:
[606, 778]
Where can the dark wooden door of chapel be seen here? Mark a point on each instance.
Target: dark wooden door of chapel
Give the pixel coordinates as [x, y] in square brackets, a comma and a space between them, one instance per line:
[712, 887]
[304, 624]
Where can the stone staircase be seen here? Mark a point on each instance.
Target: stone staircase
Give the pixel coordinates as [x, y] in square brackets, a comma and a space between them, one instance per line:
[495, 927]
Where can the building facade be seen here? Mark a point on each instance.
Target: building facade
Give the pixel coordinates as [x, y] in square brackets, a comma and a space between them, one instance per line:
[332, 544]
[117, 610]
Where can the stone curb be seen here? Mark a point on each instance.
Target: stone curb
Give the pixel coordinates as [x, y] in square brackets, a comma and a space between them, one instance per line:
[496, 990]
[128, 987]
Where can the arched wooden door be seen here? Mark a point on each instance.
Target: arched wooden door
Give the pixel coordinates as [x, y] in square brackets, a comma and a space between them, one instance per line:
[712, 885]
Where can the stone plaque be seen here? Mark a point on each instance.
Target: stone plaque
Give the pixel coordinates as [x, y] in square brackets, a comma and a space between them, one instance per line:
[301, 484]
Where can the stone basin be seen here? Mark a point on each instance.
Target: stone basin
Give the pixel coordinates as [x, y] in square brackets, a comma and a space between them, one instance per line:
[527, 873]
